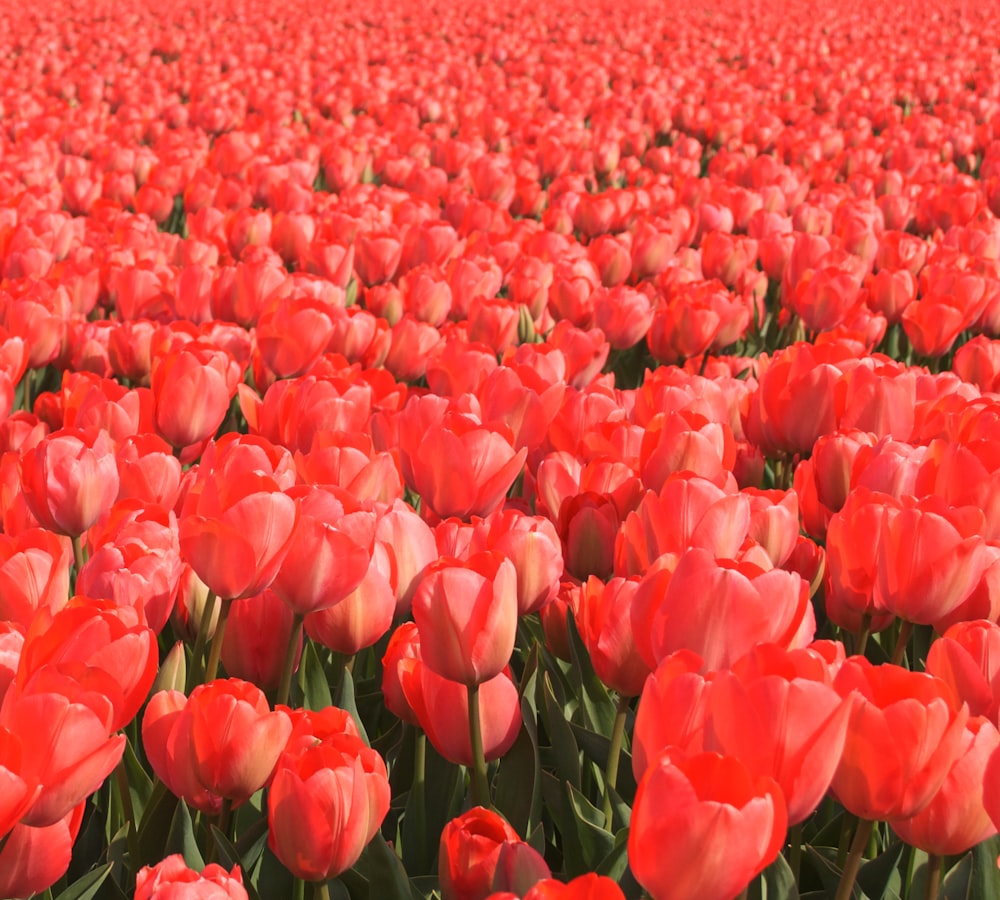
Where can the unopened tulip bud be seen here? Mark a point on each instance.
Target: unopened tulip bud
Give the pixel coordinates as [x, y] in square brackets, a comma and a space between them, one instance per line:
[173, 671]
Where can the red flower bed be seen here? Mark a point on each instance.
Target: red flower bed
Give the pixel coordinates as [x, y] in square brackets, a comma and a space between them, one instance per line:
[513, 450]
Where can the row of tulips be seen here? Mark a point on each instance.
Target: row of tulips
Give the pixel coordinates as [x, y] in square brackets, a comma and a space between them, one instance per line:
[499, 451]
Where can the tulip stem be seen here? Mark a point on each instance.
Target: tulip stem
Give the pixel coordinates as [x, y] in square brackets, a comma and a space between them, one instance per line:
[614, 755]
[215, 652]
[480, 787]
[322, 891]
[933, 876]
[418, 790]
[79, 557]
[864, 633]
[905, 628]
[128, 810]
[197, 658]
[285, 685]
[795, 850]
[847, 878]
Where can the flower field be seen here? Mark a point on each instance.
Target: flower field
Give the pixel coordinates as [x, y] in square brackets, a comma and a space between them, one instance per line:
[499, 450]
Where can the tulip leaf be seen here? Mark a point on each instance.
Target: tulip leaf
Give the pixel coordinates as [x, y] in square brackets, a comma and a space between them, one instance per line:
[594, 842]
[272, 879]
[596, 747]
[564, 748]
[985, 874]
[776, 882]
[957, 884]
[140, 785]
[880, 877]
[346, 699]
[824, 862]
[154, 826]
[615, 864]
[313, 680]
[181, 839]
[228, 856]
[88, 887]
[386, 876]
[598, 707]
[518, 791]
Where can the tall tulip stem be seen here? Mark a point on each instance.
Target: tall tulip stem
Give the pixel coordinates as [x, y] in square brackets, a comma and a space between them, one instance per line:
[905, 628]
[215, 652]
[795, 850]
[322, 891]
[863, 635]
[614, 755]
[480, 787]
[79, 556]
[933, 876]
[285, 685]
[846, 886]
[204, 624]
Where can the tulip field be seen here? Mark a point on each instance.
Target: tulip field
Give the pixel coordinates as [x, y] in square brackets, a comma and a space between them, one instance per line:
[514, 450]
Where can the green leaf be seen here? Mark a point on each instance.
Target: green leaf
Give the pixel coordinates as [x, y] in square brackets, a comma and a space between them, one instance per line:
[776, 882]
[181, 839]
[346, 699]
[615, 864]
[880, 878]
[384, 869]
[518, 792]
[594, 843]
[272, 879]
[985, 874]
[140, 785]
[564, 748]
[87, 887]
[824, 862]
[154, 826]
[957, 884]
[313, 679]
[596, 747]
[597, 704]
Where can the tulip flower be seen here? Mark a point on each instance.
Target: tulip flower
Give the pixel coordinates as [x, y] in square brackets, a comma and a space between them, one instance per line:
[172, 878]
[325, 803]
[32, 859]
[690, 806]
[466, 612]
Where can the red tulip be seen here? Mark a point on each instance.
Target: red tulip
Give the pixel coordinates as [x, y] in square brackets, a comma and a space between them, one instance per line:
[34, 574]
[967, 657]
[685, 805]
[721, 609]
[605, 625]
[957, 816]
[236, 523]
[70, 480]
[33, 859]
[441, 708]
[469, 852]
[173, 880]
[65, 729]
[777, 713]
[905, 733]
[325, 804]
[235, 739]
[466, 612]
[257, 634]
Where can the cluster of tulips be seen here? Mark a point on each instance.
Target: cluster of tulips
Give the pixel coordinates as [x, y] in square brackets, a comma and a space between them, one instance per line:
[512, 451]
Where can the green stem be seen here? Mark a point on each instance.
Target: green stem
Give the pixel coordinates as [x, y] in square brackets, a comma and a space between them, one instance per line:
[197, 658]
[225, 814]
[128, 810]
[905, 628]
[933, 876]
[795, 850]
[846, 886]
[285, 685]
[418, 789]
[480, 787]
[298, 889]
[322, 892]
[614, 754]
[215, 652]
[864, 633]
[847, 827]
[79, 555]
